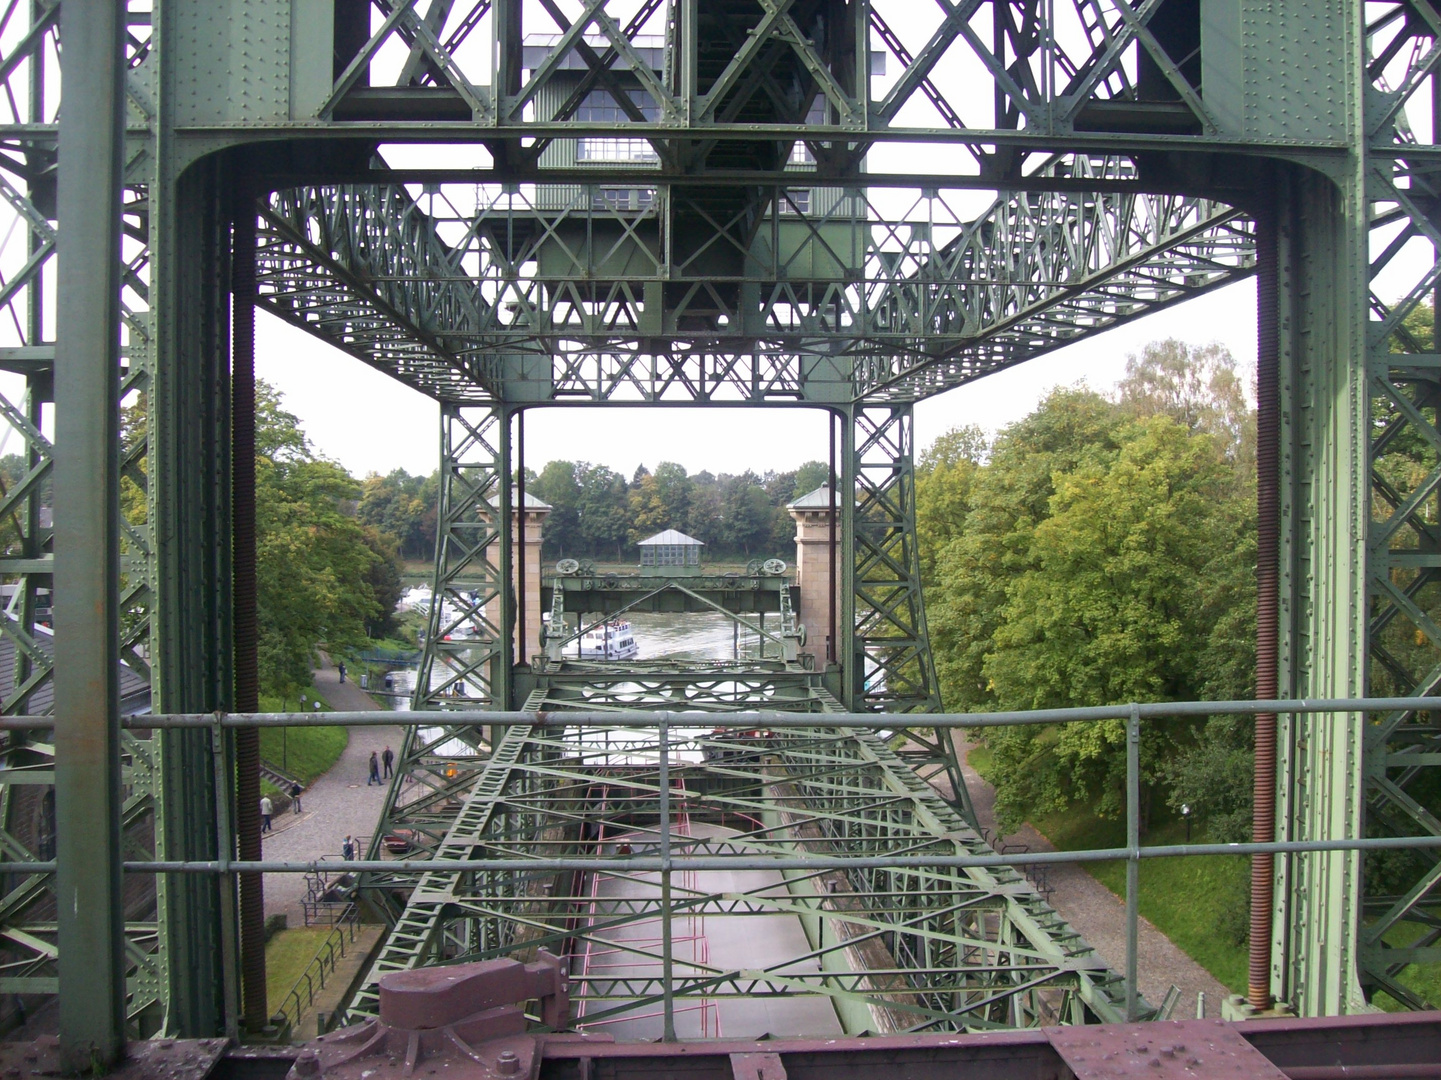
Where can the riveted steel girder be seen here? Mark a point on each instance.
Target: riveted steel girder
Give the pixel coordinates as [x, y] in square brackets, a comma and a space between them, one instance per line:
[889, 950]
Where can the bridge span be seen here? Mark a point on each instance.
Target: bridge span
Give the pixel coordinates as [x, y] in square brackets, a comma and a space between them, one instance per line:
[857, 949]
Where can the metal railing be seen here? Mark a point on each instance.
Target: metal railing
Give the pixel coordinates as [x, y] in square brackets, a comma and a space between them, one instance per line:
[327, 957]
[1345, 710]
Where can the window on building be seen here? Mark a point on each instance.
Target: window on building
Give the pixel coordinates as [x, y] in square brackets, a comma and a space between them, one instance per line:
[670, 555]
[607, 198]
[599, 107]
[796, 201]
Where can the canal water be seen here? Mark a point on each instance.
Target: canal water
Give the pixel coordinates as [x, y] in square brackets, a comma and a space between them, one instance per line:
[694, 637]
[659, 637]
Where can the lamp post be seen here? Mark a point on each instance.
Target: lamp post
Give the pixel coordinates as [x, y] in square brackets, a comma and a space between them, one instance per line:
[1186, 813]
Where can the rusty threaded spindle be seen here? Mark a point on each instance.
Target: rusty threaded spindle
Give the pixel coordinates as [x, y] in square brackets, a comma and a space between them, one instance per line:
[1268, 415]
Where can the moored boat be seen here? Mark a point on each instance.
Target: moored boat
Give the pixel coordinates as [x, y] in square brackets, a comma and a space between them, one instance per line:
[611, 640]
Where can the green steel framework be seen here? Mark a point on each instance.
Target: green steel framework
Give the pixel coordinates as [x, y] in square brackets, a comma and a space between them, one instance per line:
[974, 949]
[507, 278]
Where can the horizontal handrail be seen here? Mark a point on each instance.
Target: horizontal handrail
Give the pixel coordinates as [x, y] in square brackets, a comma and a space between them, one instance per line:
[645, 718]
[646, 863]
[325, 958]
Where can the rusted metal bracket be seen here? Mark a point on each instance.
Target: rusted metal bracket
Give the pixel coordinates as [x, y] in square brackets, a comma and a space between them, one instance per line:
[472, 1015]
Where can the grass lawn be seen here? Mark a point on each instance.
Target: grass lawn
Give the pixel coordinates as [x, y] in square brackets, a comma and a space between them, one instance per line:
[287, 955]
[303, 752]
[1190, 900]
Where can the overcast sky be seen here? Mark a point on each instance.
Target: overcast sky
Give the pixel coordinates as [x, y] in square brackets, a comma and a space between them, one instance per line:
[372, 424]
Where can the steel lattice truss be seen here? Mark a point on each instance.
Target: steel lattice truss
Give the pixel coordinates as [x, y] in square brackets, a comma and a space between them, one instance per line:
[1058, 69]
[895, 293]
[938, 949]
[29, 67]
[551, 282]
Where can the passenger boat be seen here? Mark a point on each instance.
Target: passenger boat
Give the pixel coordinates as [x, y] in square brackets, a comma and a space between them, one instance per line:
[609, 641]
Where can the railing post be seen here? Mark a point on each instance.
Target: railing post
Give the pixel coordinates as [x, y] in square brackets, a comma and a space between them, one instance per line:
[1133, 857]
[226, 882]
[667, 950]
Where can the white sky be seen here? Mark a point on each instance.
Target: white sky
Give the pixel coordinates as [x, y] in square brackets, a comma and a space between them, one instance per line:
[371, 423]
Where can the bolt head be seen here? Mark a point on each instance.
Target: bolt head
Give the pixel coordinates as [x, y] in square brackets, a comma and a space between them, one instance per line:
[307, 1064]
[507, 1064]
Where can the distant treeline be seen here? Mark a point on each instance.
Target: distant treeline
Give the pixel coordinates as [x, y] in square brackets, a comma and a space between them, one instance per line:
[597, 513]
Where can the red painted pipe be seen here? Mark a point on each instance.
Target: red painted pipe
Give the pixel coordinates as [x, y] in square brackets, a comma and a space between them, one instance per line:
[246, 625]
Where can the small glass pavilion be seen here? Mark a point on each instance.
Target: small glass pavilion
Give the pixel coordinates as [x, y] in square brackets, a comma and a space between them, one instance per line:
[670, 552]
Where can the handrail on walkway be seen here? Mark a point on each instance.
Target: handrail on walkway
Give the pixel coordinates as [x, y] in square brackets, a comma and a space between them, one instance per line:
[301, 996]
[1348, 710]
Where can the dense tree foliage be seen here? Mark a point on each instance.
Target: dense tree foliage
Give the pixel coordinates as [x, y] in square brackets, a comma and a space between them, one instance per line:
[596, 513]
[1101, 551]
[322, 574]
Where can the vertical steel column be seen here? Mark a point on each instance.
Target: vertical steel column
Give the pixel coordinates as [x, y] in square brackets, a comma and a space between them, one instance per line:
[832, 655]
[191, 644]
[89, 908]
[503, 522]
[519, 516]
[1314, 952]
[849, 651]
[247, 669]
[885, 621]
[667, 956]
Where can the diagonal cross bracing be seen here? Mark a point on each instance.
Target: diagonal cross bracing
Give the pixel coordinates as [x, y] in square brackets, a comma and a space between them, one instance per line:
[889, 949]
[888, 294]
[362, 268]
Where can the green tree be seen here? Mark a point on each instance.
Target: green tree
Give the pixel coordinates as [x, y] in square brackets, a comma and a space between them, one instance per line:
[559, 486]
[1108, 612]
[393, 504]
[1009, 497]
[809, 476]
[385, 578]
[1103, 551]
[944, 476]
[659, 500]
[604, 509]
[314, 561]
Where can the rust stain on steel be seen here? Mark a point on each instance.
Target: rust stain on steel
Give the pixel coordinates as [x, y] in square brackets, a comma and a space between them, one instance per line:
[757, 1067]
[470, 1018]
[1166, 1049]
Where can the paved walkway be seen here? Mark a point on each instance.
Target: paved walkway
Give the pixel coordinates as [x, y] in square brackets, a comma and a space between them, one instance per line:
[1100, 915]
[337, 803]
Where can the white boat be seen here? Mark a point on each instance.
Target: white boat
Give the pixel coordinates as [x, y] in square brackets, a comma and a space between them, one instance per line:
[609, 641]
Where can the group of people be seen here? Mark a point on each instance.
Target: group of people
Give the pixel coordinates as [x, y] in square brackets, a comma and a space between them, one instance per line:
[267, 808]
[388, 759]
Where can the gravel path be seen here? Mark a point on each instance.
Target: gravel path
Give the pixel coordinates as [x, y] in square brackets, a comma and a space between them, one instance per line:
[1100, 915]
[337, 803]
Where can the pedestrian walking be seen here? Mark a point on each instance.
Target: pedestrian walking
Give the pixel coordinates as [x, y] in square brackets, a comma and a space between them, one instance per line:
[342, 671]
[374, 769]
[347, 849]
[266, 809]
[389, 758]
[295, 790]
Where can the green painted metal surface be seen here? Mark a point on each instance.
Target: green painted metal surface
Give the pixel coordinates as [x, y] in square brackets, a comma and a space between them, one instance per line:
[736, 222]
